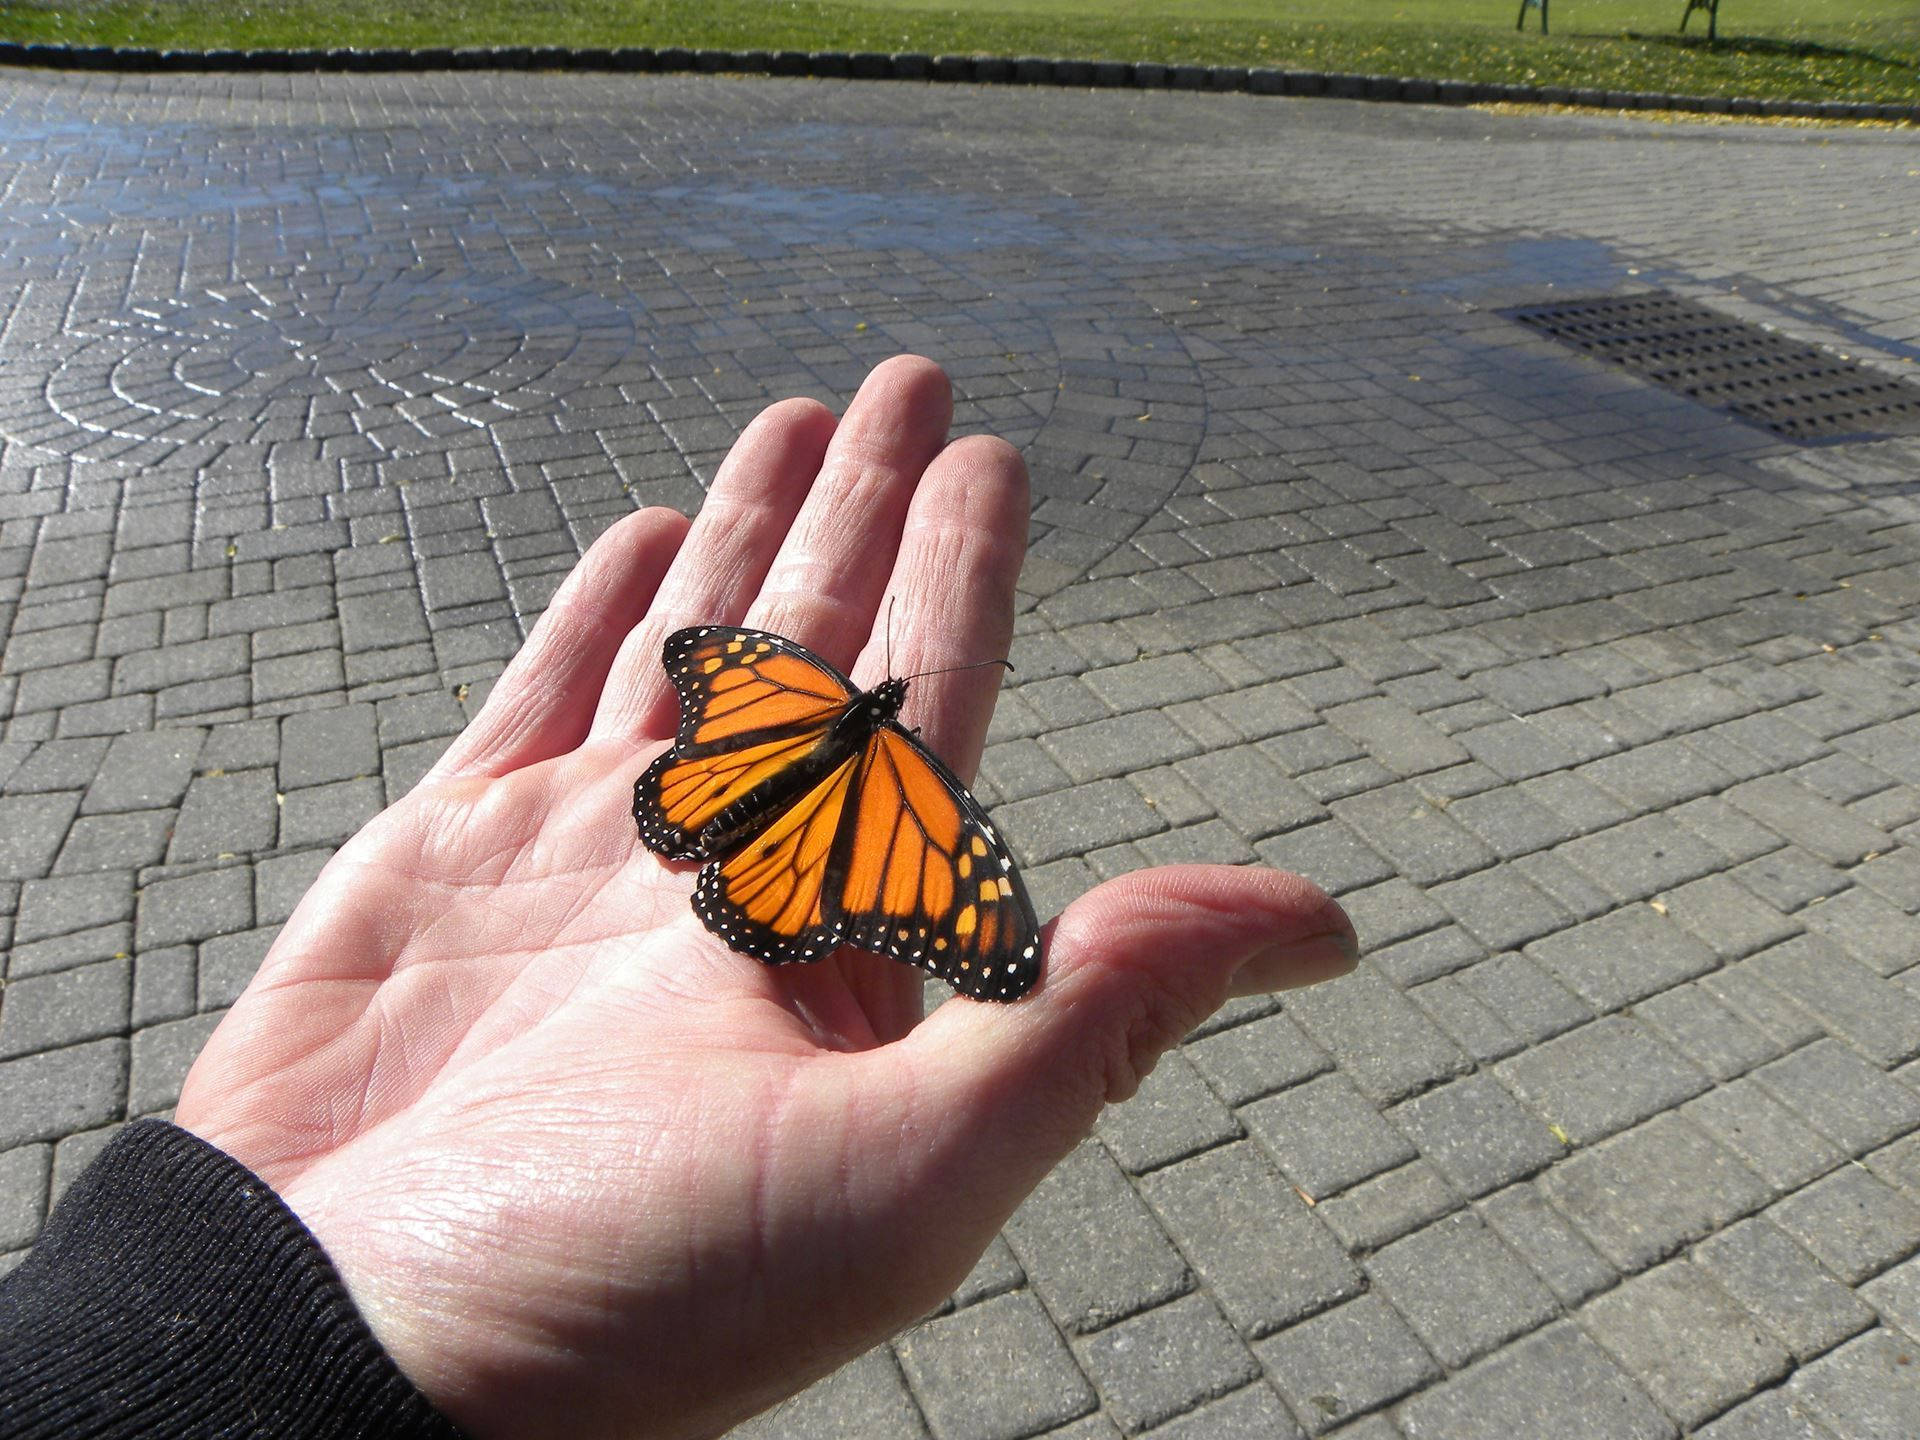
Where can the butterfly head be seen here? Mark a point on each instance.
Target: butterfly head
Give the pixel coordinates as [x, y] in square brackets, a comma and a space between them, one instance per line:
[873, 708]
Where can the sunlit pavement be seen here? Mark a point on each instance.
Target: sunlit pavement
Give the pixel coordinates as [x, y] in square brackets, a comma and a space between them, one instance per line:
[1600, 710]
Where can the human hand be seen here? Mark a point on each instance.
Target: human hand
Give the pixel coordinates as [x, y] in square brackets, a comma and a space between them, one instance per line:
[586, 1171]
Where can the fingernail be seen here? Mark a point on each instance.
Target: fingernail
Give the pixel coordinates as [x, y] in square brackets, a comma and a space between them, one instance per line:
[1336, 951]
[1325, 956]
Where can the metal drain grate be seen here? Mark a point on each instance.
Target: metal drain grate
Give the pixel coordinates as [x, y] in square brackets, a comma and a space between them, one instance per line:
[1791, 388]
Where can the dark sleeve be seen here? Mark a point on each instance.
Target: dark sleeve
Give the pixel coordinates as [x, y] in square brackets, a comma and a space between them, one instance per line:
[173, 1294]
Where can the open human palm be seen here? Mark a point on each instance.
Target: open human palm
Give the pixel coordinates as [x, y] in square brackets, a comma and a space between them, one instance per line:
[588, 1172]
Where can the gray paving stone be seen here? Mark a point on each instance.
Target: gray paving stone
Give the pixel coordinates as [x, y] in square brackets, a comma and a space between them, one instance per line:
[1460, 1288]
[1426, 957]
[1842, 1096]
[1774, 1142]
[1810, 820]
[1379, 1211]
[321, 746]
[1247, 1061]
[1325, 1136]
[45, 1012]
[226, 965]
[63, 952]
[1383, 915]
[1557, 1382]
[1501, 909]
[1687, 702]
[1641, 1195]
[1894, 1294]
[1254, 1245]
[1252, 1413]
[1402, 825]
[1345, 1362]
[1173, 1115]
[227, 814]
[1511, 822]
[1691, 1020]
[1784, 1287]
[115, 842]
[1878, 1019]
[1330, 854]
[144, 771]
[1657, 776]
[1009, 1337]
[1395, 736]
[1376, 1035]
[31, 829]
[1679, 1336]
[1642, 857]
[1540, 1235]
[329, 814]
[994, 1273]
[1091, 1427]
[69, 903]
[54, 1093]
[1864, 1390]
[1119, 745]
[194, 907]
[1873, 930]
[1729, 830]
[1534, 685]
[1790, 878]
[177, 664]
[1477, 1134]
[1160, 1364]
[1770, 1415]
[866, 1397]
[1854, 1222]
[24, 1171]
[1601, 1078]
[1530, 1001]
[279, 883]
[1624, 956]
[1899, 1164]
[161, 1056]
[1072, 822]
[1089, 1247]
[1748, 996]
[1249, 791]
[58, 765]
[1481, 1034]
[163, 985]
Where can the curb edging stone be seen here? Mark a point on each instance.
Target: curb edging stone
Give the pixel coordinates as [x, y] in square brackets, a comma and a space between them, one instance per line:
[939, 69]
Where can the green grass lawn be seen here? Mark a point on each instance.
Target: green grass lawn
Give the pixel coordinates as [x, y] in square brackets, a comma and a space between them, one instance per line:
[1800, 49]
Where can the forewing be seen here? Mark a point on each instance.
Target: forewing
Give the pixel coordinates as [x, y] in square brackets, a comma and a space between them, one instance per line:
[737, 683]
[768, 899]
[752, 708]
[923, 876]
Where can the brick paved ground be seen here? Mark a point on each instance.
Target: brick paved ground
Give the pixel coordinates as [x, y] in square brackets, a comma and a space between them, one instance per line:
[1601, 712]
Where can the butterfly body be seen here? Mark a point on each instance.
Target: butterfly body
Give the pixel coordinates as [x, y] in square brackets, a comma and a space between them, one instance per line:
[824, 822]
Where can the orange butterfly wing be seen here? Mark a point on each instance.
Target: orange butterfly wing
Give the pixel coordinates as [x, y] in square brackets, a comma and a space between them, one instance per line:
[817, 838]
[924, 877]
[755, 711]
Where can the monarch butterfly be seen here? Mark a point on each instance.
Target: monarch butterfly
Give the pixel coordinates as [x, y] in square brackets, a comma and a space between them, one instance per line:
[825, 822]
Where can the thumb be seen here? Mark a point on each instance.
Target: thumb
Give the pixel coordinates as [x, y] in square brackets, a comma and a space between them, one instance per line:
[1131, 968]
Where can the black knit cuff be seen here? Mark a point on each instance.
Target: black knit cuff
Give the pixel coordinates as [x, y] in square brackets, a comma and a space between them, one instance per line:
[172, 1293]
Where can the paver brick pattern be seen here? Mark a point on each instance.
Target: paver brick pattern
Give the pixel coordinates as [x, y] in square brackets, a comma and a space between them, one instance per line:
[1600, 711]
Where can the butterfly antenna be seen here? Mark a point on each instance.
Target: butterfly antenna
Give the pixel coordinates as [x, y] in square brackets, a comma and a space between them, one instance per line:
[950, 669]
[944, 670]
